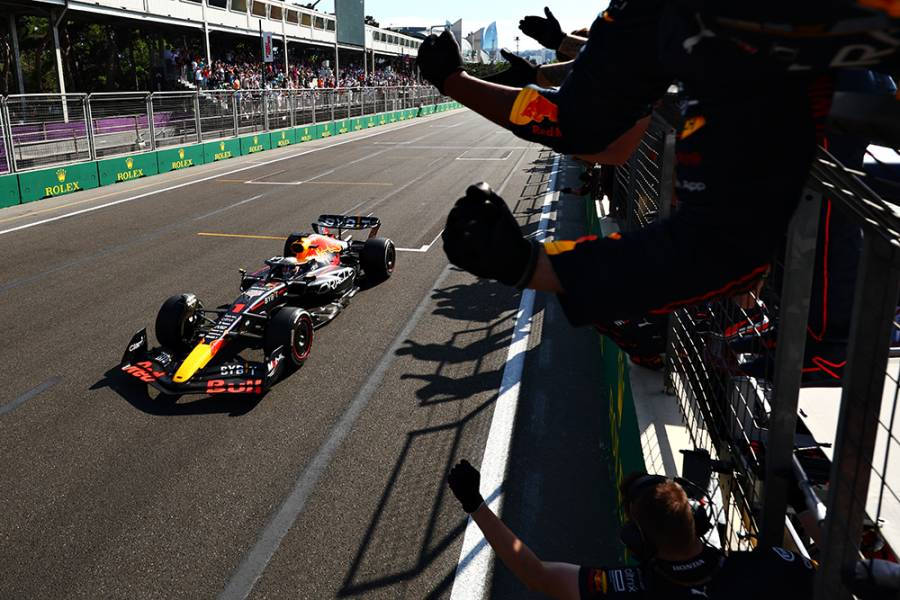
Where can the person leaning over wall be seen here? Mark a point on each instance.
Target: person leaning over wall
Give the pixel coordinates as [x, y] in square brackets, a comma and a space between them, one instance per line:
[662, 533]
[759, 128]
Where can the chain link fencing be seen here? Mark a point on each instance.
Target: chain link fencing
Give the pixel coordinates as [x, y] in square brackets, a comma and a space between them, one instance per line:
[47, 130]
[810, 468]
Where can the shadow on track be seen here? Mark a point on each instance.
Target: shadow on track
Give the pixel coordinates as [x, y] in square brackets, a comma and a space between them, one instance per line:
[162, 405]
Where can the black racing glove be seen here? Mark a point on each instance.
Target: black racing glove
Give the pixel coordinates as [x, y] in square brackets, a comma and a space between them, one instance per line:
[483, 237]
[547, 31]
[439, 58]
[464, 480]
[519, 74]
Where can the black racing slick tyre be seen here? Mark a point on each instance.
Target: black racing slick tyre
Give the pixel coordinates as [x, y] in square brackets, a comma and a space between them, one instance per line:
[292, 330]
[177, 322]
[377, 258]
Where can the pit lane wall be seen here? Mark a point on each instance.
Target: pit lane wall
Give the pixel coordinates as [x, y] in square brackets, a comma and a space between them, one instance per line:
[31, 186]
[617, 399]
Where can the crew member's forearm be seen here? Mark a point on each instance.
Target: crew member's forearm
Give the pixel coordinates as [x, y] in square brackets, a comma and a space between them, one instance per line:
[490, 100]
[553, 75]
[517, 557]
[570, 46]
[544, 278]
[621, 149]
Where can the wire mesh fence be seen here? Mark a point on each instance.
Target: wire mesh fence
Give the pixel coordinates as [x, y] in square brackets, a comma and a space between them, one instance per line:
[47, 130]
[51, 129]
[802, 462]
[120, 122]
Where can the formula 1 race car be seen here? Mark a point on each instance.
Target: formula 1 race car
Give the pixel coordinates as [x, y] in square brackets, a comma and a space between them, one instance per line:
[279, 308]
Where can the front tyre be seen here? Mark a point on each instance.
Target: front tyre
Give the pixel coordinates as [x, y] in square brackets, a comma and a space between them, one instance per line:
[177, 322]
[377, 259]
[292, 330]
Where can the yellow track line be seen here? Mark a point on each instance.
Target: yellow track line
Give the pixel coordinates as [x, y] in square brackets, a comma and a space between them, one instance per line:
[245, 236]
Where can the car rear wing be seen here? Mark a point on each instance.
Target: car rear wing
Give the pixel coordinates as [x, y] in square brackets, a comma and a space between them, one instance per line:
[342, 222]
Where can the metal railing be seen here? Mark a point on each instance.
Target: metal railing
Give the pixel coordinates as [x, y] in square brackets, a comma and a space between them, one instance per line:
[737, 377]
[44, 130]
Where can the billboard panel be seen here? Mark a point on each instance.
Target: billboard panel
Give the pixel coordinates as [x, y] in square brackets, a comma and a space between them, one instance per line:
[350, 15]
[268, 51]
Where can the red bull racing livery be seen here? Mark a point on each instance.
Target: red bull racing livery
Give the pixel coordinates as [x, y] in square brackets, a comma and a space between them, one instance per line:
[279, 308]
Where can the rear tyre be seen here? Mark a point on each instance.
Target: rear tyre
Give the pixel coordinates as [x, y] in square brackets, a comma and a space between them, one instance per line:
[292, 330]
[377, 259]
[177, 322]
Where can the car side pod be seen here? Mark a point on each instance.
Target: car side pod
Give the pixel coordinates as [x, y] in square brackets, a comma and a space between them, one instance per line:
[136, 349]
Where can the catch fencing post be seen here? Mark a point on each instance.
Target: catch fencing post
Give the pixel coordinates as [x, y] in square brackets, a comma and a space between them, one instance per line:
[234, 112]
[874, 306]
[796, 289]
[292, 103]
[197, 115]
[151, 126]
[7, 135]
[333, 94]
[89, 124]
[314, 93]
[265, 104]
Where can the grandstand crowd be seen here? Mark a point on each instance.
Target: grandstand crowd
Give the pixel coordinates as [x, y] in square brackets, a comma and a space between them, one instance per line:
[313, 71]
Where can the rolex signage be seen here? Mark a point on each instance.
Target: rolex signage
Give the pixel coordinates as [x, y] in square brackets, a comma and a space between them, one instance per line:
[127, 168]
[258, 142]
[182, 157]
[283, 138]
[221, 150]
[48, 183]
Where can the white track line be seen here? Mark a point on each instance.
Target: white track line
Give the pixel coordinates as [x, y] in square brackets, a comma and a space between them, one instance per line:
[476, 557]
[210, 177]
[424, 247]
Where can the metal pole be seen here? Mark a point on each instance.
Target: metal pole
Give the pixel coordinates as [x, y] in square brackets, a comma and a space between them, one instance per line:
[89, 125]
[59, 68]
[313, 93]
[333, 100]
[292, 99]
[265, 103]
[7, 135]
[799, 265]
[197, 115]
[14, 34]
[337, 65]
[877, 287]
[234, 112]
[206, 36]
[150, 124]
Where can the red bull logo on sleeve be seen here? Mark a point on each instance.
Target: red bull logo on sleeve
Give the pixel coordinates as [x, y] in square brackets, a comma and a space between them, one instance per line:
[531, 107]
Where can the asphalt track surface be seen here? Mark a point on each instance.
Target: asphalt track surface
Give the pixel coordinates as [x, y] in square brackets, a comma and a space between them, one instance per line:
[332, 484]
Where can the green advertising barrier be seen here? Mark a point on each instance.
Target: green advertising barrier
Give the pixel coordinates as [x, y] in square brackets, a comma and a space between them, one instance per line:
[392, 117]
[402, 115]
[357, 124]
[369, 121]
[307, 133]
[175, 159]
[412, 113]
[341, 126]
[282, 138]
[381, 119]
[9, 190]
[325, 130]
[258, 142]
[126, 168]
[48, 183]
[221, 150]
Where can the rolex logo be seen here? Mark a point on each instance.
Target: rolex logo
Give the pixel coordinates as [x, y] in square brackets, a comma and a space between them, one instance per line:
[181, 153]
[284, 135]
[255, 140]
[61, 175]
[129, 162]
[222, 146]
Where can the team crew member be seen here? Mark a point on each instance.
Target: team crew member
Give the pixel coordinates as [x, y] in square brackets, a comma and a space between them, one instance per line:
[662, 532]
[754, 143]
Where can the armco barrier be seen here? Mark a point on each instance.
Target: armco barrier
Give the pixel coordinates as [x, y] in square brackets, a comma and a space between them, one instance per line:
[46, 183]
[221, 150]
[9, 190]
[126, 168]
[182, 157]
[258, 142]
